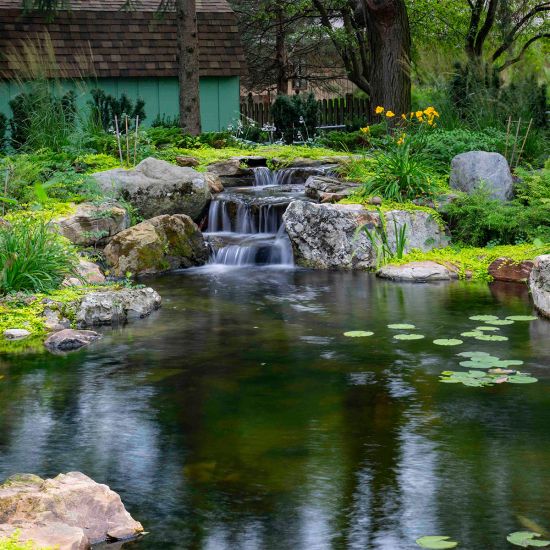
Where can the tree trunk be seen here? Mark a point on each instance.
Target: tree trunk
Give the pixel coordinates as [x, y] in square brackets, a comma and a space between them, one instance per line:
[281, 58]
[390, 48]
[188, 67]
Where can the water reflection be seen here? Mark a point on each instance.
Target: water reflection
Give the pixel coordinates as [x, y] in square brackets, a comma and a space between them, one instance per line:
[239, 417]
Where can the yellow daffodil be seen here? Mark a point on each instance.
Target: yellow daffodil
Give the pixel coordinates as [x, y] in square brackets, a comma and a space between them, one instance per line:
[390, 114]
[379, 110]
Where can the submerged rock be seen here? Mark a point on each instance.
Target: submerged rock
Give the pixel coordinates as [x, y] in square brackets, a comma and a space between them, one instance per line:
[539, 284]
[70, 340]
[417, 272]
[113, 307]
[507, 270]
[16, 334]
[69, 512]
[326, 236]
[156, 245]
[155, 187]
[93, 224]
[475, 169]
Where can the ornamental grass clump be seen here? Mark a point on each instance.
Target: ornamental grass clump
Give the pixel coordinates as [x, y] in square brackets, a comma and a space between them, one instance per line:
[33, 258]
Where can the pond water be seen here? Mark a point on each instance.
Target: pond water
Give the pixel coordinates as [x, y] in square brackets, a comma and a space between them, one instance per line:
[239, 416]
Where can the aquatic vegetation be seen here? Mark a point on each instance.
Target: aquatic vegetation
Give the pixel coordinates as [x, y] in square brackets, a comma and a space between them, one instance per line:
[484, 318]
[448, 342]
[471, 334]
[474, 354]
[436, 542]
[403, 326]
[479, 379]
[521, 318]
[527, 539]
[491, 338]
[500, 322]
[408, 336]
[358, 333]
[487, 329]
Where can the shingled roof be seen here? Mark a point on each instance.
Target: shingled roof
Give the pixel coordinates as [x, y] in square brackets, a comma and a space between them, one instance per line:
[125, 43]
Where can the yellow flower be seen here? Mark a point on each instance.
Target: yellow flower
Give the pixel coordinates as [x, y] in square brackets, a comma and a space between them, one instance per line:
[400, 141]
[379, 110]
[404, 116]
[390, 114]
[419, 114]
[365, 130]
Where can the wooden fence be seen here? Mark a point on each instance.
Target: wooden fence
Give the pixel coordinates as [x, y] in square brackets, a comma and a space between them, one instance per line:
[332, 112]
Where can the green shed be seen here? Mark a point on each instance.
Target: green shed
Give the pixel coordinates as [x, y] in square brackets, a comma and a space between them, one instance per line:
[132, 52]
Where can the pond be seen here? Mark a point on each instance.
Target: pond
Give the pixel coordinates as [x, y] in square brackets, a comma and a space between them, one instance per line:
[239, 416]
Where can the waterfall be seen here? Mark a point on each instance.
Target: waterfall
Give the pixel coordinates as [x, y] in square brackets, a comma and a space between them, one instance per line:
[263, 177]
[218, 217]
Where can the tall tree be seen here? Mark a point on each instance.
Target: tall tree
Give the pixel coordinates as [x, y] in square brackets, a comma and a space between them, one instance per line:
[373, 39]
[187, 51]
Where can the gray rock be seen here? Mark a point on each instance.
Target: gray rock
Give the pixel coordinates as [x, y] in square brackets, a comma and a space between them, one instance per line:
[324, 236]
[156, 245]
[539, 284]
[318, 187]
[113, 307]
[155, 187]
[16, 334]
[87, 273]
[232, 172]
[470, 171]
[69, 512]
[70, 340]
[417, 272]
[93, 224]
[54, 320]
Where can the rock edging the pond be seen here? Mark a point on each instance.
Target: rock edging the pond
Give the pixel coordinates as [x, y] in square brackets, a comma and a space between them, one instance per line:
[417, 272]
[539, 284]
[70, 512]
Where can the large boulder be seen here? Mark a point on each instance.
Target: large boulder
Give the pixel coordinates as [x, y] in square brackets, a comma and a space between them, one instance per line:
[68, 512]
[479, 169]
[70, 340]
[93, 224]
[159, 244]
[155, 187]
[539, 284]
[326, 189]
[115, 307]
[232, 172]
[325, 236]
[417, 272]
[510, 271]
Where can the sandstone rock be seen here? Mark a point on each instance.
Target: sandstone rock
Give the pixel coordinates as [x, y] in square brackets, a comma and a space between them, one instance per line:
[92, 224]
[505, 269]
[189, 162]
[539, 284]
[70, 512]
[475, 169]
[232, 172]
[325, 236]
[112, 307]
[317, 188]
[417, 272]
[70, 340]
[87, 273]
[155, 187]
[159, 244]
[16, 334]
[214, 183]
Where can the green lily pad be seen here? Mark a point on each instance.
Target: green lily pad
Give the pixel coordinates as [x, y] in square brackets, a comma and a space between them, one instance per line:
[409, 336]
[484, 318]
[474, 354]
[488, 329]
[502, 371]
[527, 539]
[472, 334]
[476, 364]
[492, 338]
[508, 363]
[436, 542]
[449, 342]
[358, 333]
[477, 373]
[401, 327]
[521, 318]
[522, 379]
[501, 322]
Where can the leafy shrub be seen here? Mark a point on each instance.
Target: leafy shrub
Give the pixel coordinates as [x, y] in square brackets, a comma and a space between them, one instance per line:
[104, 108]
[165, 121]
[534, 186]
[477, 220]
[295, 114]
[3, 128]
[33, 257]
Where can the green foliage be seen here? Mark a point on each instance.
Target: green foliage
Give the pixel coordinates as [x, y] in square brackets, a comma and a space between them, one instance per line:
[164, 121]
[527, 539]
[13, 543]
[295, 114]
[3, 129]
[436, 542]
[533, 187]
[33, 257]
[478, 220]
[105, 107]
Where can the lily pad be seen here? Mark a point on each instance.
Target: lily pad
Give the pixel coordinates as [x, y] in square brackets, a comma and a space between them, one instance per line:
[474, 354]
[409, 336]
[436, 542]
[527, 539]
[501, 322]
[488, 329]
[502, 371]
[522, 379]
[401, 327]
[358, 333]
[492, 338]
[477, 364]
[484, 318]
[449, 342]
[521, 318]
[471, 334]
[508, 363]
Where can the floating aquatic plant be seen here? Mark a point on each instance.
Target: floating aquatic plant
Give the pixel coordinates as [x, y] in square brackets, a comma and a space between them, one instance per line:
[488, 329]
[521, 318]
[471, 334]
[522, 378]
[449, 342]
[527, 539]
[484, 318]
[491, 338]
[401, 327]
[436, 542]
[500, 322]
[474, 354]
[358, 333]
[409, 336]
[479, 379]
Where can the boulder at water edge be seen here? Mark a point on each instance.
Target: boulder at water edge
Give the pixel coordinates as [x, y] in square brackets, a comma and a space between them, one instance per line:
[156, 187]
[417, 272]
[69, 512]
[539, 284]
[327, 189]
[156, 245]
[93, 224]
[70, 340]
[324, 236]
[479, 169]
[510, 271]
